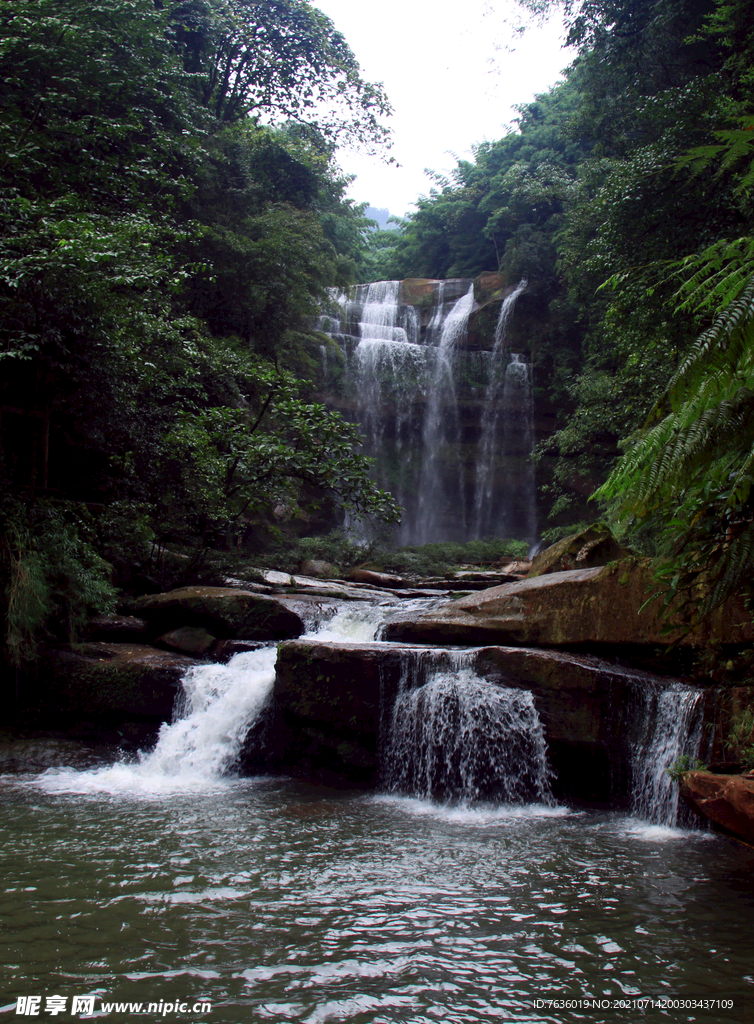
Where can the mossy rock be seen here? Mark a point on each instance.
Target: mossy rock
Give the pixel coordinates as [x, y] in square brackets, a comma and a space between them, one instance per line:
[595, 546]
[192, 640]
[418, 291]
[111, 681]
[223, 611]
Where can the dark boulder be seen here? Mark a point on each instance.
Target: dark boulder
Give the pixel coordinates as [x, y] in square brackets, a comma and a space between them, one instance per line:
[330, 702]
[118, 629]
[224, 650]
[192, 640]
[223, 611]
[383, 580]
[104, 690]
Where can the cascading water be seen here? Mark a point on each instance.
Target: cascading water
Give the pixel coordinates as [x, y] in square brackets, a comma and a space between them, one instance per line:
[504, 419]
[459, 465]
[382, 319]
[219, 705]
[386, 371]
[458, 736]
[441, 484]
[520, 514]
[388, 365]
[669, 724]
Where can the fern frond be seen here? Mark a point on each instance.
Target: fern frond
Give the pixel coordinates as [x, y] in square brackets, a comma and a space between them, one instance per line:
[720, 338]
[714, 277]
[735, 567]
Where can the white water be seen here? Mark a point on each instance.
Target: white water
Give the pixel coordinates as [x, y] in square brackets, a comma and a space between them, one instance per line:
[386, 372]
[415, 391]
[194, 751]
[451, 734]
[477, 814]
[670, 725]
[389, 376]
[220, 703]
[440, 488]
[489, 509]
[518, 445]
[381, 314]
[506, 313]
[460, 737]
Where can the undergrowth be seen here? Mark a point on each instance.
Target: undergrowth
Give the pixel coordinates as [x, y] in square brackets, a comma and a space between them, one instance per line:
[344, 553]
[51, 578]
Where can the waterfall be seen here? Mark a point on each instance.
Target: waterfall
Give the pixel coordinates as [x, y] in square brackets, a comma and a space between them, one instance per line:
[441, 485]
[669, 723]
[383, 320]
[519, 518]
[505, 316]
[386, 375]
[504, 470]
[219, 705]
[450, 426]
[458, 736]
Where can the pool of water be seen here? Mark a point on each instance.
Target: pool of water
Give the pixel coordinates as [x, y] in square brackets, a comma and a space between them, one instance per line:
[274, 900]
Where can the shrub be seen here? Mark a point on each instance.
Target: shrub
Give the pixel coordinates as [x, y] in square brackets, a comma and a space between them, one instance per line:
[51, 578]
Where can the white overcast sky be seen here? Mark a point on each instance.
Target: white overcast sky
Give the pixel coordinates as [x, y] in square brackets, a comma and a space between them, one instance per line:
[450, 77]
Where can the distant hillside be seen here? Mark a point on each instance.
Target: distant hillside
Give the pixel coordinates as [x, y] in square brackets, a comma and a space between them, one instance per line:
[381, 215]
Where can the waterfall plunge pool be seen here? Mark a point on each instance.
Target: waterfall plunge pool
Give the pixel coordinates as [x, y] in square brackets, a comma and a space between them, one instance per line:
[167, 880]
[279, 901]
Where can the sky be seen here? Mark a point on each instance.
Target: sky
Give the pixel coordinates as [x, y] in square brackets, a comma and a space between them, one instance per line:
[452, 72]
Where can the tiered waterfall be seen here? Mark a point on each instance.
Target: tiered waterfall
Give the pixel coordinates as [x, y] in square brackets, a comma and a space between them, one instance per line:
[448, 422]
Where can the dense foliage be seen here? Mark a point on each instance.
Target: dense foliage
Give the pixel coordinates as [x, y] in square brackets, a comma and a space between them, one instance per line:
[170, 216]
[625, 197]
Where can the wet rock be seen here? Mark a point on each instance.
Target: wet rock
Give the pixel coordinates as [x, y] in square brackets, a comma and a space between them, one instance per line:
[594, 546]
[191, 640]
[110, 682]
[313, 609]
[277, 578]
[475, 579]
[331, 698]
[22, 754]
[422, 291]
[727, 800]
[328, 704]
[118, 628]
[520, 567]
[599, 607]
[725, 707]
[491, 285]
[384, 580]
[224, 650]
[224, 611]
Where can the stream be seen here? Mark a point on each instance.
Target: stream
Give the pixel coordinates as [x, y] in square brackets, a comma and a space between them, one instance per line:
[167, 880]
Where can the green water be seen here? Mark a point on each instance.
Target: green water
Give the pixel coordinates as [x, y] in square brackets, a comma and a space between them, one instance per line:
[275, 901]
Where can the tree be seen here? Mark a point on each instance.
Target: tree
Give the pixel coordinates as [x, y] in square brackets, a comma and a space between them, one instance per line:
[280, 61]
[160, 250]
